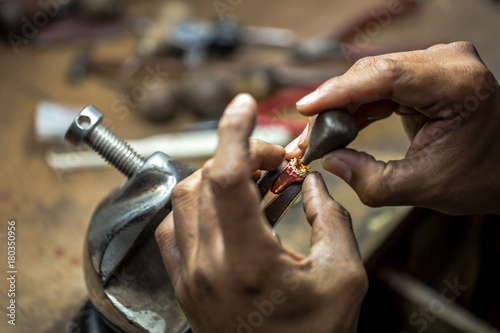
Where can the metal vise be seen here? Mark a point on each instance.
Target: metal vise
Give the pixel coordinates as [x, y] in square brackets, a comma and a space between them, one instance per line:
[128, 286]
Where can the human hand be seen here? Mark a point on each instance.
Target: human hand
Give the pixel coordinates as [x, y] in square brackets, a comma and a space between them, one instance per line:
[450, 107]
[230, 273]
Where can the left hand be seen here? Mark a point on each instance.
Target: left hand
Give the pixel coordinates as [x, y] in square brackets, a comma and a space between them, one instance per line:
[230, 273]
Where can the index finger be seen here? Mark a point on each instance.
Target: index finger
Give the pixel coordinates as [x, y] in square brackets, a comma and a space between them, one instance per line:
[416, 79]
[235, 197]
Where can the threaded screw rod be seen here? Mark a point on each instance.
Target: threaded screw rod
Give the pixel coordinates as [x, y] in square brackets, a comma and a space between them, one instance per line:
[115, 151]
[87, 128]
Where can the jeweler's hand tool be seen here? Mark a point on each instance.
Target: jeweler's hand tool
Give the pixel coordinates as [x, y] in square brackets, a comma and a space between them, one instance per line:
[282, 201]
[333, 129]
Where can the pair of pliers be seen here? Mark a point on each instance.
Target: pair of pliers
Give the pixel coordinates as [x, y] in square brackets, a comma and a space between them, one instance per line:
[282, 201]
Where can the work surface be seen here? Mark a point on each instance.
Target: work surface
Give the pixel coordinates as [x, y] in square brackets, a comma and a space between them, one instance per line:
[52, 209]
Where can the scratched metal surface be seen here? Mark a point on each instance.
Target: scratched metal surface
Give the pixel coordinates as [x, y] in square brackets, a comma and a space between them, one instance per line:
[52, 210]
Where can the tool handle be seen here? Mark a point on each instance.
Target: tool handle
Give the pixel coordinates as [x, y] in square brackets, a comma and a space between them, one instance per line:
[333, 129]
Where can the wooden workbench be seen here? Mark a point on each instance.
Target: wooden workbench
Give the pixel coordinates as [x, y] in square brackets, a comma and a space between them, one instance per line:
[52, 209]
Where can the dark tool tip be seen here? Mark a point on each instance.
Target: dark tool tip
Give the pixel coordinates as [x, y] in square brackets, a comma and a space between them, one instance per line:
[333, 129]
[306, 159]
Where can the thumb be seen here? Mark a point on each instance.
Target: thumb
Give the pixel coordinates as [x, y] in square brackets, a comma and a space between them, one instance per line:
[334, 250]
[377, 183]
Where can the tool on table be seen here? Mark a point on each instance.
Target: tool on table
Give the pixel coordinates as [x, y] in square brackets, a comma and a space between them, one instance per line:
[85, 63]
[197, 40]
[156, 38]
[204, 92]
[333, 129]
[352, 42]
[54, 21]
[177, 32]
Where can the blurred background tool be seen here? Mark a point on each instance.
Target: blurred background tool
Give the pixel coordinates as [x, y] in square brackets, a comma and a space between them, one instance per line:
[353, 41]
[115, 69]
[203, 91]
[197, 40]
[156, 38]
[22, 21]
[202, 59]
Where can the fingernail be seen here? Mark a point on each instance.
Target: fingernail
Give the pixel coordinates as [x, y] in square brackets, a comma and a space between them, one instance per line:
[239, 103]
[303, 135]
[321, 182]
[281, 148]
[308, 98]
[336, 166]
[293, 147]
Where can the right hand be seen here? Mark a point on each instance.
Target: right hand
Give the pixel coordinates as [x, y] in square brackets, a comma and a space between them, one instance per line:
[450, 107]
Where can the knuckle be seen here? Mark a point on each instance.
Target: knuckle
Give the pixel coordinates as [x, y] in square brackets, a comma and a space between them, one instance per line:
[207, 168]
[162, 236]
[342, 213]
[256, 143]
[333, 208]
[231, 175]
[256, 148]
[181, 191]
[386, 67]
[248, 281]
[464, 47]
[480, 72]
[365, 62]
[355, 278]
[380, 65]
[201, 277]
[200, 282]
